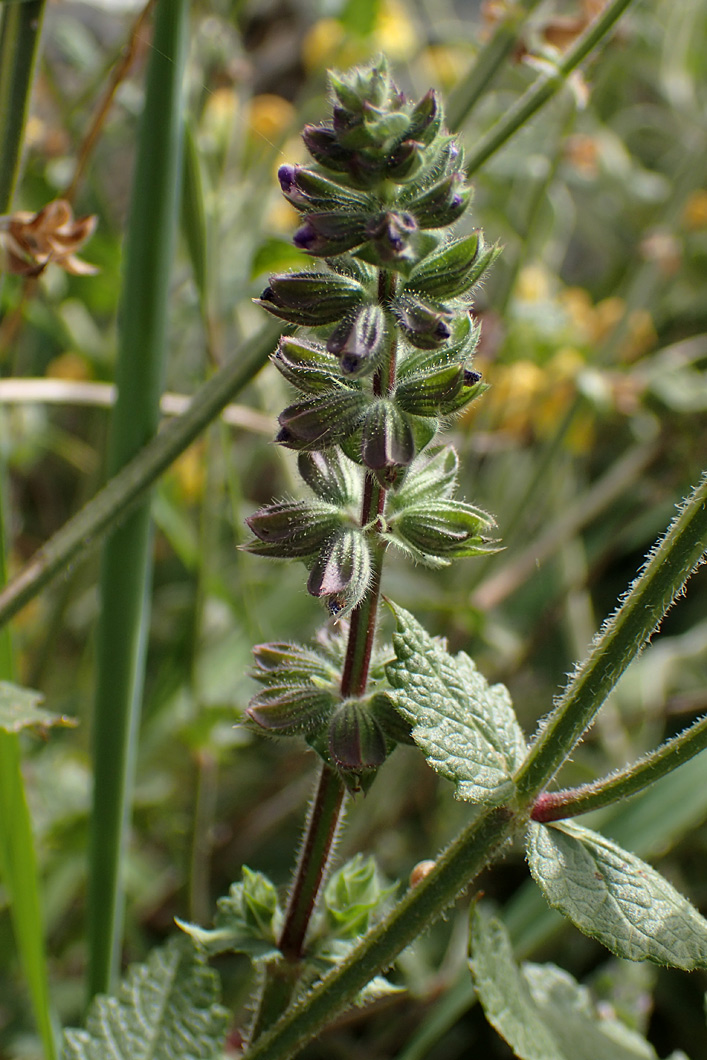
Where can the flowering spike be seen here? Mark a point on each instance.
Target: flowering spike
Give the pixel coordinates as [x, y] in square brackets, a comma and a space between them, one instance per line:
[393, 358]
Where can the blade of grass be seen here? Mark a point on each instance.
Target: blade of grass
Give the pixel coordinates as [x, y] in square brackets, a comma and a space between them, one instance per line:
[125, 489]
[126, 561]
[546, 86]
[19, 41]
[488, 63]
[19, 44]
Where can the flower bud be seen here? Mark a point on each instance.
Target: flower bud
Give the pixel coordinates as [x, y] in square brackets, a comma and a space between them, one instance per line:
[426, 324]
[311, 298]
[359, 342]
[426, 118]
[322, 422]
[484, 260]
[279, 662]
[287, 710]
[432, 476]
[428, 393]
[387, 444]
[443, 203]
[330, 476]
[307, 190]
[356, 740]
[446, 272]
[405, 161]
[471, 389]
[307, 365]
[391, 237]
[323, 145]
[447, 530]
[342, 572]
[363, 84]
[331, 233]
[292, 528]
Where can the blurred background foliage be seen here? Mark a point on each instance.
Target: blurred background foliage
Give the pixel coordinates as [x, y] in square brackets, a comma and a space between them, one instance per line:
[595, 426]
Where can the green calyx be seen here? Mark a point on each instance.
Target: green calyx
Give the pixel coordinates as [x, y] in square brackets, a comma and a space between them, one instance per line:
[300, 696]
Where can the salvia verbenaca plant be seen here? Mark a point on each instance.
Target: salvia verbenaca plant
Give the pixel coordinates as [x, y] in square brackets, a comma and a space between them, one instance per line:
[387, 360]
[388, 357]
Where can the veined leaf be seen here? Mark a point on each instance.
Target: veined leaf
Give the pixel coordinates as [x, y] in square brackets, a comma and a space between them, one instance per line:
[166, 1009]
[504, 994]
[615, 897]
[466, 728]
[19, 710]
[541, 1010]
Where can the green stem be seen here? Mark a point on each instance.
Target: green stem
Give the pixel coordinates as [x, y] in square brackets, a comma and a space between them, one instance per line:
[556, 805]
[127, 487]
[481, 841]
[623, 636]
[19, 44]
[545, 87]
[127, 560]
[488, 63]
[322, 826]
[462, 861]
[324, 816]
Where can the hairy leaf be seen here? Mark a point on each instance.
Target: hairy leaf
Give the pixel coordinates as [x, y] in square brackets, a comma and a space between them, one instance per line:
[166, 1009]
[19, 710]
[504, 994]
[466, 728]
[541, 1010]
[615, 897]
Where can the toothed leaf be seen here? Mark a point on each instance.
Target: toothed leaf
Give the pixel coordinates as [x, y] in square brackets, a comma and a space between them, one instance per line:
[166, 1009]
[466, 728]
[615, 897]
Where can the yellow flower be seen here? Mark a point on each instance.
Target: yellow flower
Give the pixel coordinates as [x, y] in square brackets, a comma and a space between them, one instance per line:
[533, 284]
[395, 33]
[70, 366]
[328, 44]
[270, 117]
[695, 213]
[444, 65]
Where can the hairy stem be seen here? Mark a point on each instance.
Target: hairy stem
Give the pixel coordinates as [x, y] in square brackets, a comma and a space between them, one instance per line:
[556, 805]
[325, 813]
[481, 841]
[623, 636]
[322, 826]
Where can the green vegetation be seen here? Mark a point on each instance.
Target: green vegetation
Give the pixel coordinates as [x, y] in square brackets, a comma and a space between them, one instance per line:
[550, 371]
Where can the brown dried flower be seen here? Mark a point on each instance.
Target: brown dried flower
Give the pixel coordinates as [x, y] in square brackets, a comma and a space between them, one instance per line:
[33, 241]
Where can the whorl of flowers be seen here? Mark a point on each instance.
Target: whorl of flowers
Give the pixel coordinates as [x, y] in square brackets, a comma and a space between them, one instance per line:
[389, 358]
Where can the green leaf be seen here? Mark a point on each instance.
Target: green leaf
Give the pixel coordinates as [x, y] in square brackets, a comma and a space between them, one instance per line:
[353, 896]
[466, 728]
[277, 255]
[248, 920]
[570, 1013]
[166, 1009]
[615, 897]
[504, 994]
[19, 710]
[541, 1011]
